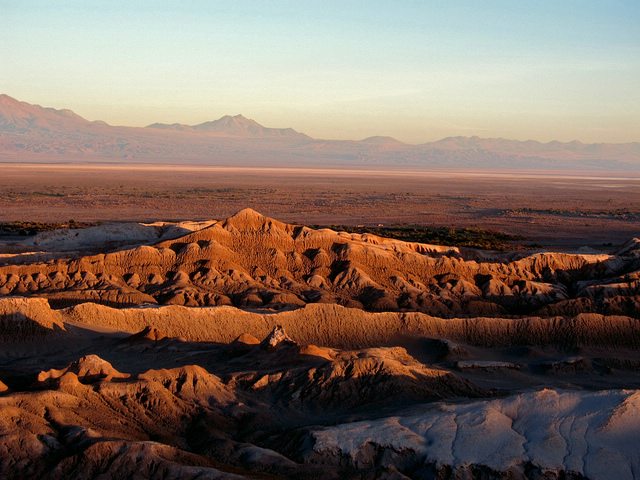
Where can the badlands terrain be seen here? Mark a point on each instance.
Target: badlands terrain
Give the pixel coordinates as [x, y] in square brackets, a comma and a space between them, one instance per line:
[249, 347]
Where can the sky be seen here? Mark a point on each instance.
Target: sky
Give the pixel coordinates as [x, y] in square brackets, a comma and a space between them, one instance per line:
[415, 70]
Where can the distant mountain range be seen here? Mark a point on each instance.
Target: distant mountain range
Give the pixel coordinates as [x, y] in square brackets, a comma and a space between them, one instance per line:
[31, 133]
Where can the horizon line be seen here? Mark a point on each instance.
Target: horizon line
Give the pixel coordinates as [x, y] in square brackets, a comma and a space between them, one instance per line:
[370, 137]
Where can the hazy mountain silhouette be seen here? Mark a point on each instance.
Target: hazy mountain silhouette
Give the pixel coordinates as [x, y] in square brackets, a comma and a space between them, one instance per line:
[34, 133]
[236, 126]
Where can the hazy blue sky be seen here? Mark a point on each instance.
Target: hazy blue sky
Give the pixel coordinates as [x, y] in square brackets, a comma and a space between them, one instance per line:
[416, 70]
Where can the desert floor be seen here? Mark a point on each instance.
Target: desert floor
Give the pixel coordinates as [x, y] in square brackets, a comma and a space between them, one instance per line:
[553, 210]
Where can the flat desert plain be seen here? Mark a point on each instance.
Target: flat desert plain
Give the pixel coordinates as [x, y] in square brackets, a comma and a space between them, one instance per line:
[554, 209]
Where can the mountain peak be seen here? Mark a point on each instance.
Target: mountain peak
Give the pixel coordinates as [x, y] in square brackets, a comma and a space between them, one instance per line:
[248, 213]
[233, 126]
[239, 117]
[248, 219]
[382, 140]
[237, 124]
[7, 100]
[17, 116]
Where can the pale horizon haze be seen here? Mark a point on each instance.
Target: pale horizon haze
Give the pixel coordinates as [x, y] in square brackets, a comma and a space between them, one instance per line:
[415, 70]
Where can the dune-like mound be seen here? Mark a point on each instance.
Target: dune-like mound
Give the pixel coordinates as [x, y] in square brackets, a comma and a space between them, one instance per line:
[24, 319]
[191, 382]
[252, 261]
[87, 368]
[316, 351]
[146, 334]
[246, 339]
[349, 379]
[120, 459]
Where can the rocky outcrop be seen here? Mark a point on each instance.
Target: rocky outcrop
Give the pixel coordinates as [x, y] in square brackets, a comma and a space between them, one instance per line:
[277, 338]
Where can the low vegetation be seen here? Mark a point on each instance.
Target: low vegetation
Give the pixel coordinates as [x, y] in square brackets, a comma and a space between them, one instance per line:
[616, 214]
[449, 236]
[27, 229]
